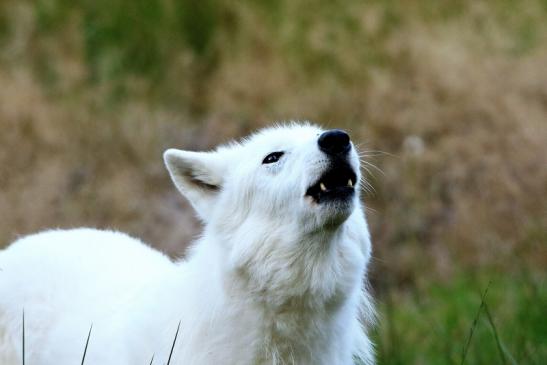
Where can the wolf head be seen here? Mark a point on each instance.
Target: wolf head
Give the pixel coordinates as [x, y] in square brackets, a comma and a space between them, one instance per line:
[281, 175]
[283, 204]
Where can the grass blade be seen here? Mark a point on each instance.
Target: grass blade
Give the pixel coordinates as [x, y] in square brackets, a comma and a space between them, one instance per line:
[474, 325]
[86, 344]
[173, 346]
[501, 348]
[23, 337]
[494, 330]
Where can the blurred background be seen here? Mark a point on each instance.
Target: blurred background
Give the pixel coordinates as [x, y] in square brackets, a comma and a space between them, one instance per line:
[449, 98]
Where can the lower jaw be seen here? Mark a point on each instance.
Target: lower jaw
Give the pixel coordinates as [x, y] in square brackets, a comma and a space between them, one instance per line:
[333, 213]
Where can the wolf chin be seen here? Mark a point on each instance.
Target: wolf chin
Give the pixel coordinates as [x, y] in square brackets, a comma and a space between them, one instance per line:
[277, 277]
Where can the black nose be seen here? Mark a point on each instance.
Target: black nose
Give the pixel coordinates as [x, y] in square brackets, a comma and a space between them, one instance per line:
[334, 141]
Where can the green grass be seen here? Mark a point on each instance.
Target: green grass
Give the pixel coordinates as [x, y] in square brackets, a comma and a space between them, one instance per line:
[456, 323]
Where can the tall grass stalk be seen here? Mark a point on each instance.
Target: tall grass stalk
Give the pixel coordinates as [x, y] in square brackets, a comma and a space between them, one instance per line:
[23, 337]
[86, 344]
[173, 346]
[474, 325]
[504, 353]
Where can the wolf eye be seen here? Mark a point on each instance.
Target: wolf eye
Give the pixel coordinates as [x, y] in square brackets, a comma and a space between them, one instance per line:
[273, 157]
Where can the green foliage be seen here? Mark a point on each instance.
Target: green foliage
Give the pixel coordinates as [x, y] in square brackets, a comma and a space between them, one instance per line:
[126, 35]
[431, 324]
[4, 27]
[133, 36]
[146, 37]
[197, 22]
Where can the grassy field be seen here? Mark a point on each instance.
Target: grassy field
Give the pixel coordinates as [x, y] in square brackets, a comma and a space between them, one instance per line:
[456, 323]
[449, 98]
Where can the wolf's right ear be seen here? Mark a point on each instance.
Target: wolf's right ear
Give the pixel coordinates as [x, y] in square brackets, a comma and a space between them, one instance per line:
[197, 175]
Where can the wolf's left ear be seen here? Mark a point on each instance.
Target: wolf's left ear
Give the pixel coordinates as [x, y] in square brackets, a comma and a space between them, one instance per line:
[197, 175]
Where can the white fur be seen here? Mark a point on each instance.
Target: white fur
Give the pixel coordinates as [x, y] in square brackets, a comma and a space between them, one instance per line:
[274, 279]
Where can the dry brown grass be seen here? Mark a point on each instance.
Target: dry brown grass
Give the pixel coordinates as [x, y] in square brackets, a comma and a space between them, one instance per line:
[462, 119]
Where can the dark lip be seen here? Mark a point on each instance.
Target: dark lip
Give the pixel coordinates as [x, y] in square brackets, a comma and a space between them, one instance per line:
[335, 179]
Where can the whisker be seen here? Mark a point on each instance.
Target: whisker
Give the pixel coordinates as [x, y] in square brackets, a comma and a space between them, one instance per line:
[378, 260]
[361, 148]
[371, 153]
[380, 152]
[367, 170]
[373, 166]
[367, 187]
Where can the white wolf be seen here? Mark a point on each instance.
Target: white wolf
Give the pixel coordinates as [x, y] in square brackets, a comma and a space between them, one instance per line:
[276, 277]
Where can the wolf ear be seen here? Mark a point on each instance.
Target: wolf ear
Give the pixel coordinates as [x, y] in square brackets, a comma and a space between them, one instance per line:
[197, 175]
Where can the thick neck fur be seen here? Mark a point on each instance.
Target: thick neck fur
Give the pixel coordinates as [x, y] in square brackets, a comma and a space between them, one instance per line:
[299, 295]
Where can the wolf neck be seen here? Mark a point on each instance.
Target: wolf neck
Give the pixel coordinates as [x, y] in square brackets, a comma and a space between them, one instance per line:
[288, 292]
[277, 267]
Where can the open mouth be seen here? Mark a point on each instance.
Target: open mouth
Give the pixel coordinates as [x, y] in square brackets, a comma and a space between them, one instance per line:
[337, 183]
